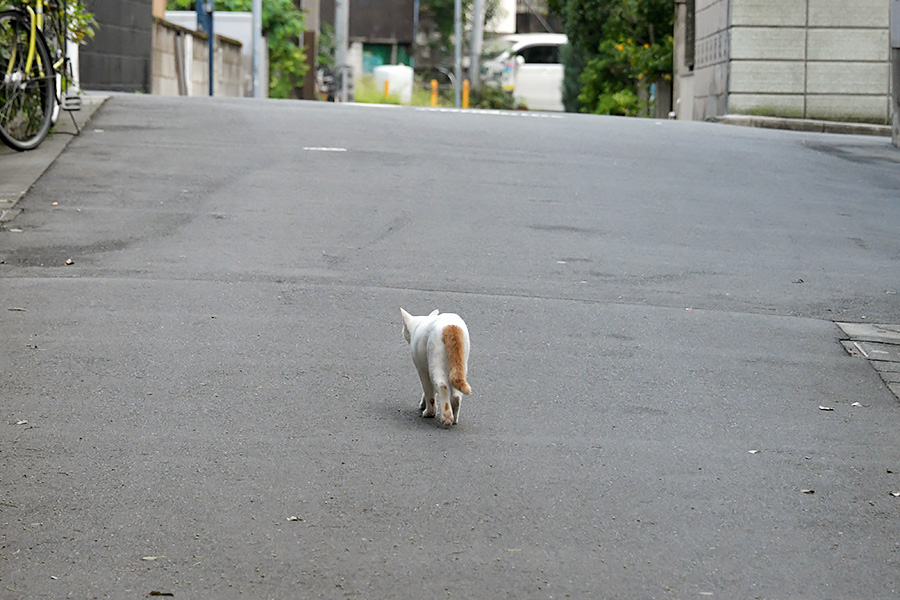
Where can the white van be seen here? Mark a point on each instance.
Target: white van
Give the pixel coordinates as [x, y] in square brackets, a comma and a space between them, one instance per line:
[527, 64]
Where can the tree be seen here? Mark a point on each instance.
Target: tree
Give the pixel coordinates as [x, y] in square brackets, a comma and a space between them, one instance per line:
[436, 18]
[623, 46]
[573, 60]
[282, 24]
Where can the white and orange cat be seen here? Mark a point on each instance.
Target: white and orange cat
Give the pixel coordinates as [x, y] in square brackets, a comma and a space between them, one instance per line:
[440, 350]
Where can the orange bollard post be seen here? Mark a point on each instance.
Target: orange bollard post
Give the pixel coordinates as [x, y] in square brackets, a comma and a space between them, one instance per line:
[465, 94]
[434, 91]
[387, 89]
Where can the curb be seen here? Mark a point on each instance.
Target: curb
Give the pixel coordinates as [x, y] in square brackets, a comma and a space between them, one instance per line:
[22, 169]
[808, 125]
[880, 345]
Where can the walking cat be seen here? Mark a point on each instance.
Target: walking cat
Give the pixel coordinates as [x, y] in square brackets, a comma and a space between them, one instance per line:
[440, 350]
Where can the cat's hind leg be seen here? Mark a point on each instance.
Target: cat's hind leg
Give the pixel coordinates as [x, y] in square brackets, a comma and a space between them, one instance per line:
[455, 401]
[426, 406]
[442, 397]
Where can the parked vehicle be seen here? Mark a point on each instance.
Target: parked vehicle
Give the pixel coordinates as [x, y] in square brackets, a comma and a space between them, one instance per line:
[527, 65]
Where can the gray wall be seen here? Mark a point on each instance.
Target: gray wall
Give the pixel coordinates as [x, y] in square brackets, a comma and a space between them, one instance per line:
[817, 59]
[813, 59]
[119, 58]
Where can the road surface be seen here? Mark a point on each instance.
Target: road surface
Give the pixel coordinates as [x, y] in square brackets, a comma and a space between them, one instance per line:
[213, 398]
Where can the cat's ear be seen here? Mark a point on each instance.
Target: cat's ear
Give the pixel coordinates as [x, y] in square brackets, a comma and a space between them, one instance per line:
[433, 313]
[407, 321]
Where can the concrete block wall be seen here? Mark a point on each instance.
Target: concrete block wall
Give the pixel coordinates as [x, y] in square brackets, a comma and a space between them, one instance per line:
[228, 66]
[710, 74]
[236, 26]
[119, 56]
[165, 64]
[814, 59]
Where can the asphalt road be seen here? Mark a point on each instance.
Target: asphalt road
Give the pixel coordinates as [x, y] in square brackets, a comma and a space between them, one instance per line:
[214, 400]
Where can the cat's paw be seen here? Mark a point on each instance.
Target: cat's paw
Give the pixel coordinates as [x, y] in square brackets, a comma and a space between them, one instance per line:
[429, 408]
[447, 415]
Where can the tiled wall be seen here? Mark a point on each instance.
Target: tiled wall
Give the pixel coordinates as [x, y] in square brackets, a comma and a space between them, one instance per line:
[815, 59]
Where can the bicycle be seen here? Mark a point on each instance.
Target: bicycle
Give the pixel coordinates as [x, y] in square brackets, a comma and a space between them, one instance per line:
[36, 72]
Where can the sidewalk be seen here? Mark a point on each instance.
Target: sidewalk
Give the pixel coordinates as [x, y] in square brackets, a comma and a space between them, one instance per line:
[880, 345]
[810, 125]
[19, 170]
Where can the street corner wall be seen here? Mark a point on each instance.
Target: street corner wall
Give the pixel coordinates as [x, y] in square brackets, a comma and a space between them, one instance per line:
[814, 59]
[119, 57]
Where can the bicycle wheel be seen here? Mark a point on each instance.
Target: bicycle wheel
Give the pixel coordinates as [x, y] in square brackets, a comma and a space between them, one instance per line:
[26, 97]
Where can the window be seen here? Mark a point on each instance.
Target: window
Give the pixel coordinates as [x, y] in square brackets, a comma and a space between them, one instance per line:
[540, 54]
[690, 33]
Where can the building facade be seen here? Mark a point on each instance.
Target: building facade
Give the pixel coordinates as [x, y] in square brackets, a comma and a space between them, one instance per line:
[808, 59]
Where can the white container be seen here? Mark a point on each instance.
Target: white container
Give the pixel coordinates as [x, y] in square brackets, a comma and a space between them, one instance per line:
[399, 78]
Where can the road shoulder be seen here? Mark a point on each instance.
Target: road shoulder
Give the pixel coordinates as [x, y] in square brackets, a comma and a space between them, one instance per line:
[22, 169]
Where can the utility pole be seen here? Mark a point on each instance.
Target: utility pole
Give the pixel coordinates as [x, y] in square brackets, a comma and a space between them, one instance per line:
[415, 36]
[341, 41]
[895, 70]
[257, 49]
[457, 33]
[310, 41]
[476, 44]
[205, 10]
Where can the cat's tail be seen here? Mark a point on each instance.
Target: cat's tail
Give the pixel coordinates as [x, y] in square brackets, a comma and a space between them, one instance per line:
[454, 343]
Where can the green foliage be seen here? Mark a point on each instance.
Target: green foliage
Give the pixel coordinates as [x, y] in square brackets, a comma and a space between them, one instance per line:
[624, 45]
[574, 62]
[441, 13]
[584, 21]
[436, 21]
[367, 91]
[80, 22]
[488, 97]
[492, 97]
[326, 57]
[282, 25]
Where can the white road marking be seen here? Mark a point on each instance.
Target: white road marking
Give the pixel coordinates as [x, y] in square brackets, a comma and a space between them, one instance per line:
[500, 113]
[522, 114]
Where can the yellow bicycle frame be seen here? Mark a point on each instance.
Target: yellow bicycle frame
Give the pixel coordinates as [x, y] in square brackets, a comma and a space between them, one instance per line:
[38, 17]
[31, 39]
[37, 22]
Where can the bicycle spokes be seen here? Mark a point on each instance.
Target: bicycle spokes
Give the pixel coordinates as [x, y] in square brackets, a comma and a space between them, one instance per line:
[27, 84]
